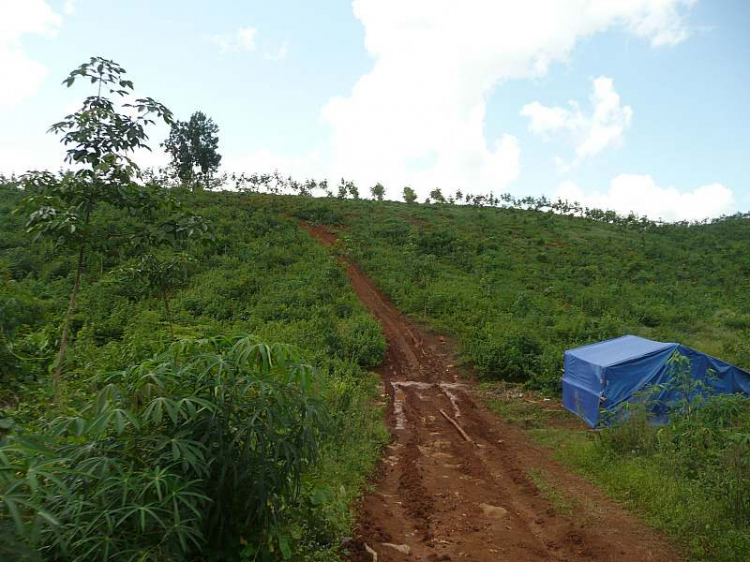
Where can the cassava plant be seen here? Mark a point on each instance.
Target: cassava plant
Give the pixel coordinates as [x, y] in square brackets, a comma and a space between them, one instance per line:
[161, 259]
[200, 449]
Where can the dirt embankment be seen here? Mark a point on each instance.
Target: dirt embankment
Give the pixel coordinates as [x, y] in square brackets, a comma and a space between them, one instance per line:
[455, 481]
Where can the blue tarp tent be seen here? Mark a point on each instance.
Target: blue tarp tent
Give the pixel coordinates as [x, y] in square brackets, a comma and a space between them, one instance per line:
[601, 376]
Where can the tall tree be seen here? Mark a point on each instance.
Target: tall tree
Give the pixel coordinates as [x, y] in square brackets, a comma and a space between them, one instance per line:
[437, 195]
[193, 146]
[410, 196]
[343, 189]
[101, 137]
[377, 191]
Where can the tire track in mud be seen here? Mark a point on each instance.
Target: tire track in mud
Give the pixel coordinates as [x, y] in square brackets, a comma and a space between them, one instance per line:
[441, 497]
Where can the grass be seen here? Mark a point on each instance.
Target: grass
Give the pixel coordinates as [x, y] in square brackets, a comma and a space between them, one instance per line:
[521, 407]
[263, 276]
[515, 288]
[651, 486]
[564, 505]
[680, 507]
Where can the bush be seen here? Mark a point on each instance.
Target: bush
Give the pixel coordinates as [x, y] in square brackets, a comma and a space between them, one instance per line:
[201, 447]
[363, 341]
[437, 242]
[506, 353]
[318, 212]
[704, 445]
[635, 434]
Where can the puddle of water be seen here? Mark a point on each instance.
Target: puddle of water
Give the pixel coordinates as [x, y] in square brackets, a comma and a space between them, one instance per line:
[398, 408]
[398, 403]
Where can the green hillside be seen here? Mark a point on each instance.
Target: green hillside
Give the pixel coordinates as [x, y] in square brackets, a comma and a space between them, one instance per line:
[514, 288]
[261, 275]
[517, 287]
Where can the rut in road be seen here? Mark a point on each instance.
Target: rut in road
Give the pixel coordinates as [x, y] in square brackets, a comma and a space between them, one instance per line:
[441, 495]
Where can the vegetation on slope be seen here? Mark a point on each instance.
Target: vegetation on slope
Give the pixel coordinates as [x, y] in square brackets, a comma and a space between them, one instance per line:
[139, 420]
[517, 287]
[689, 478]
[168, 432]
[262, 275]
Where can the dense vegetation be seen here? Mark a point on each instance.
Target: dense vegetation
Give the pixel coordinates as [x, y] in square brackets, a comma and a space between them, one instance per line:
[140, 420]
[517, 287]
[261, 276]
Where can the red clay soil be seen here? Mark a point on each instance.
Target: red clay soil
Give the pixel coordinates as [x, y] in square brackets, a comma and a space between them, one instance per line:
[455, 481]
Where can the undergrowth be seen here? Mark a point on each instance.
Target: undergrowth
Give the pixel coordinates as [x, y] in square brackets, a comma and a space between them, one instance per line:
[517, 287]
[689, 478]
[262, 275]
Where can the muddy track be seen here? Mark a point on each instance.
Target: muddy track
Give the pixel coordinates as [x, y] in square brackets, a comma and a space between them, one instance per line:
[441, 494]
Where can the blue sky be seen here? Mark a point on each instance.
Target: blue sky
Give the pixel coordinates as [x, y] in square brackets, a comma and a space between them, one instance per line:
[430, 93]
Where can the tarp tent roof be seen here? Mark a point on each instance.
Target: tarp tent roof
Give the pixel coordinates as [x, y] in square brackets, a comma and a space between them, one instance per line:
[611, 352]
[600, 376]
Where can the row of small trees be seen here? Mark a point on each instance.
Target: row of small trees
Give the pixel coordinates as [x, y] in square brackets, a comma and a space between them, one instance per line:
[275, 183]
[194, 158]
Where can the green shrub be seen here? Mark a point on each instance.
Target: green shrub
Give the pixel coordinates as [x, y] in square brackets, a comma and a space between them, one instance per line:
[318, 212]
[634, 434]
[363, 341]
[506, 353]
[705, 446]
[201, 447]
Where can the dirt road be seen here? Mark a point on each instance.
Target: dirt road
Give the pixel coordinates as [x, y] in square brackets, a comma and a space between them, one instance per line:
[455, 482]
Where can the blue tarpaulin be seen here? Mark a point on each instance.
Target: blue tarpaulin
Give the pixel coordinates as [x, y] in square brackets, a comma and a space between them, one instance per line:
[600, 377]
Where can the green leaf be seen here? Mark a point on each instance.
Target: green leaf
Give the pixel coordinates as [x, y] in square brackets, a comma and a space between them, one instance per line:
[284, 547]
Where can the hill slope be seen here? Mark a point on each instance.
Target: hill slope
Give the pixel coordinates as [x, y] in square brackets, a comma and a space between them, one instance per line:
[261, 276]
[513, 287]
[518, 287]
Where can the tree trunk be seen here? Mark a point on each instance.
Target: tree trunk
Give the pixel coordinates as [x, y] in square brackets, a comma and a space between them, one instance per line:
[169, 314]
[69, 314]
[68, 317]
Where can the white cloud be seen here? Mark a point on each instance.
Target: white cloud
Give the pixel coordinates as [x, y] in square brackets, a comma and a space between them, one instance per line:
[592, 133]
[69, 7]
[663, 23]
[641, 195]
[437, 62]
[22, 75]
[241, 40]
[544, 120]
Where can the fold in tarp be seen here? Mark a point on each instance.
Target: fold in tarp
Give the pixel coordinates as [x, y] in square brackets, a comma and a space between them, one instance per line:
[600, 377]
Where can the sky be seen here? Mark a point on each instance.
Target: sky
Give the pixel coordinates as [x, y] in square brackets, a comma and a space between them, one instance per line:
[631, 105]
